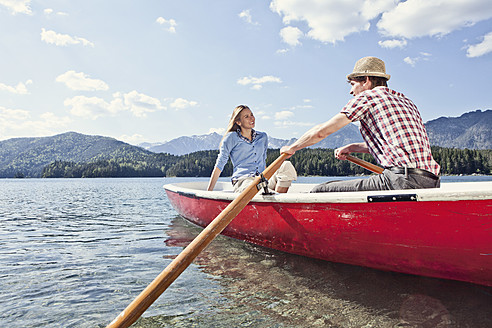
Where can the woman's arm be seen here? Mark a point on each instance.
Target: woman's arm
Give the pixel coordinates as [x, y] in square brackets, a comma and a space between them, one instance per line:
[222, 158]
[213, 178]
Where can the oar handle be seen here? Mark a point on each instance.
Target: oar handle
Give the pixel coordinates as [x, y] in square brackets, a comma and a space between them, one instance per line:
[368, 166]
[138, 306]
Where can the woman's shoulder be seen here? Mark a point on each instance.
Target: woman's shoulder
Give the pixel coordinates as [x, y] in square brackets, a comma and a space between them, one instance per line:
[230, 134]
[261, 137]
[230, 137]
[261, 134]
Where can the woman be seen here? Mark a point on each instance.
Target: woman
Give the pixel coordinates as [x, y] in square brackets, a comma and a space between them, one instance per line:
[247, 149]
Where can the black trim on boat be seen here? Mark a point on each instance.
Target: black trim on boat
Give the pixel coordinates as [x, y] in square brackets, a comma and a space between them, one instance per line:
[187, 194]
[392, 198]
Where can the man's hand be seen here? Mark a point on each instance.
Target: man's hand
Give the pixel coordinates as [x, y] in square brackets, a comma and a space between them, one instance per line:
[342, 152]
[287, 150]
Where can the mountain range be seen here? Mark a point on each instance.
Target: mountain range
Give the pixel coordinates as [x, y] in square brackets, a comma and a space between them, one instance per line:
[471, 130]
[29, 156]
[185, 145]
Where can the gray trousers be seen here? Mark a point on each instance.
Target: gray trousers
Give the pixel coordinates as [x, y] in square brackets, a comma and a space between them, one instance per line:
[387, 180]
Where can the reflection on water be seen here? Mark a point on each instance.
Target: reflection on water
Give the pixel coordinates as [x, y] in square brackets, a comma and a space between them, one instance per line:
[266, 288]
[76, 252]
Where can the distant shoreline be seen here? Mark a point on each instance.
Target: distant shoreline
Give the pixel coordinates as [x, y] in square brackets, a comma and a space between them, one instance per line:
[228, 177]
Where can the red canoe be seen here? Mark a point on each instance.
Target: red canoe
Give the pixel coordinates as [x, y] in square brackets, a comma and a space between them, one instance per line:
[444, 233]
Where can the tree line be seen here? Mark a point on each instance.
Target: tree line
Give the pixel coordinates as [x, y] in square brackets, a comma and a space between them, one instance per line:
[308, 162]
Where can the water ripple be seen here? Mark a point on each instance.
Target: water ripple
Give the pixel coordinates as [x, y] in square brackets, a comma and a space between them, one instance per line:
[75, 252]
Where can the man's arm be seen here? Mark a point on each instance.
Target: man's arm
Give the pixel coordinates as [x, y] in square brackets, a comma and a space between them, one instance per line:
[317, 133]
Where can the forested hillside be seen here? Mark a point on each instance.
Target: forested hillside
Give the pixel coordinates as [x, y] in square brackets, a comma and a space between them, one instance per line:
[307, 162]
[77, 155]
[28, 156]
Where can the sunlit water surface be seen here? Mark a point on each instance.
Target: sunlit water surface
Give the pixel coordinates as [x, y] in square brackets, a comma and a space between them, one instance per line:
[76, 252]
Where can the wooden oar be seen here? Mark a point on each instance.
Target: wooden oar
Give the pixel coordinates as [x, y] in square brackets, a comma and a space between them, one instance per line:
[368, 166]
[138, 306]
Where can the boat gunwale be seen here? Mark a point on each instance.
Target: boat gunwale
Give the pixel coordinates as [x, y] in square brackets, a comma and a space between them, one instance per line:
[452, 191]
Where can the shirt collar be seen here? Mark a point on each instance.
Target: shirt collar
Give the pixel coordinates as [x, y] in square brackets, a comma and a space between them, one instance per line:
[253, 135]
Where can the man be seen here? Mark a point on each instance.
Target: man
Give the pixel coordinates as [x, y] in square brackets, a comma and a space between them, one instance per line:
[391, 127]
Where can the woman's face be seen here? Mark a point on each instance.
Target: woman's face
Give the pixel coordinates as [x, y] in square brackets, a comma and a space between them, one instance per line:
[246, 119]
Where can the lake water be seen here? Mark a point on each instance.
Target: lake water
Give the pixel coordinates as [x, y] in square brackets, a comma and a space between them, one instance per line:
[76, 252]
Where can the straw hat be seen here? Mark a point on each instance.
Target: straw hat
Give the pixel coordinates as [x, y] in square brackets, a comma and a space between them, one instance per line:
[369, 66]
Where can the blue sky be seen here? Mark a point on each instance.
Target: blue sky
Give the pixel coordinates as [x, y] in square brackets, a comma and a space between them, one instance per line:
[151, 71]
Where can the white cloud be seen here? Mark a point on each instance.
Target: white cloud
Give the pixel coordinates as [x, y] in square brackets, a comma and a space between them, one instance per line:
[140, 104]
[390, 44]
[49, 12]
[53, 121]
[257, 82]
[216, 130]
[81, 82]
[291, 35]
[331, 21]
[481, 48]
[302, 107]
[90, 107]
[413, 60]
[17, 122]
[181, 103]
[373, 8]
[51, 37]
[417, 18]
[409, 61]
[7, 114]
[133, 139]
[246, 16]
[289, 124]
[20, 88]
[17, 6]
[93, 107]
[283, 115]
[169, 24]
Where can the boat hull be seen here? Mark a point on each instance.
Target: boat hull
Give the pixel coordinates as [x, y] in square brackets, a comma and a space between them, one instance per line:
[443, 239]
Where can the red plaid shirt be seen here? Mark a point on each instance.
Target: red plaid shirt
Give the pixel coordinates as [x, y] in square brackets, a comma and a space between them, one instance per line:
[392, 129]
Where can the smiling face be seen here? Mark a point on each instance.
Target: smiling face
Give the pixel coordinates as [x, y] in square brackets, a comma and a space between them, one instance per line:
[246, 119]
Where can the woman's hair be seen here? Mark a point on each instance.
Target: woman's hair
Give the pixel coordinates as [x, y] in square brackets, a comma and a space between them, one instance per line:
[233, 126]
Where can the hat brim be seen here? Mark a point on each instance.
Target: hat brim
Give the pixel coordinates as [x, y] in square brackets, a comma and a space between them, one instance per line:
[378, 74]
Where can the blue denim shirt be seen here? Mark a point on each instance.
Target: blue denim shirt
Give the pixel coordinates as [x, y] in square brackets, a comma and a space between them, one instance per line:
[248, 157]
